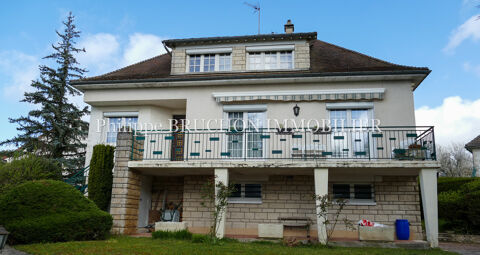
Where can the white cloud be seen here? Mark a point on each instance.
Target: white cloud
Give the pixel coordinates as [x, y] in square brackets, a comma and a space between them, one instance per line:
[18, 70]
[471, 68]
[469, 29]
[141, 47]
[456, 120]
[101, 53]
[105, 52]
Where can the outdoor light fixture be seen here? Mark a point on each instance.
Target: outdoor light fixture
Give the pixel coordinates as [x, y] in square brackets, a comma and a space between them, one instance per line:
[296, 110]
[3, 237]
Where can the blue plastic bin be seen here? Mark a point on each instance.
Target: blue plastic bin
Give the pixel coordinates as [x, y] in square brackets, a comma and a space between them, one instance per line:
[403, 229]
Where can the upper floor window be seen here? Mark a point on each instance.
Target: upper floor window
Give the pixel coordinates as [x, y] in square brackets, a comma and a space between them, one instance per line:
[270, 60]
[115, 124]
[209, 62]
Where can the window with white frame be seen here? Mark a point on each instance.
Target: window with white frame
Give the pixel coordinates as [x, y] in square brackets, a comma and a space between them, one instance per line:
[115, 124]
[357, 193]
[209, 62]
[270, 60]
[224, 62]
[248, 144]
[246, 193]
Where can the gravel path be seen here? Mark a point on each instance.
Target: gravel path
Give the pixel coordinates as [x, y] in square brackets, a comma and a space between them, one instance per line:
[8, 250]
[462, 248]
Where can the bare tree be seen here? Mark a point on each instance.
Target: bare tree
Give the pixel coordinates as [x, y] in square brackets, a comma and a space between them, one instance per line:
[455, 160]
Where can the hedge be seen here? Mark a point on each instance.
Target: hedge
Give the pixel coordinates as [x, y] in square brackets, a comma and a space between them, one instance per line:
[459, 204]
[100, 176]
[51, 211]
[179, 235]
[446, 184]
[28, 167]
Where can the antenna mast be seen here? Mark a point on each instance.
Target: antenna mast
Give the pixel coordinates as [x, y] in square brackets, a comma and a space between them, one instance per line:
[256, 9]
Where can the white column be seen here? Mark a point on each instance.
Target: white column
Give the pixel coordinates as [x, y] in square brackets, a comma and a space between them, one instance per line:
[428, 185]
[221, 175]
[476, 161]
[321, 189]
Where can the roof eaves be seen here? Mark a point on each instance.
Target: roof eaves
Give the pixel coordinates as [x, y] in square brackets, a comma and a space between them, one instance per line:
[260, 76]
[237, 39]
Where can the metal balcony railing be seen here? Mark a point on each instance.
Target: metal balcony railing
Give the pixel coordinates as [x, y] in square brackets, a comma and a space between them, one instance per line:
[393, 143]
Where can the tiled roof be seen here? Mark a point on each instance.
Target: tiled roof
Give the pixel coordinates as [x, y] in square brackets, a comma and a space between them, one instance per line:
[325, 58]
[473, 144]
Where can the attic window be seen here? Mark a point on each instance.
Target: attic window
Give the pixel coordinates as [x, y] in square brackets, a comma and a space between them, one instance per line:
[270, 60]
[209, 62]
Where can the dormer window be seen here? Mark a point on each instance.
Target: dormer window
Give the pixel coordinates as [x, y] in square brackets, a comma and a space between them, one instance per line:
[270, 60]
[212, 62]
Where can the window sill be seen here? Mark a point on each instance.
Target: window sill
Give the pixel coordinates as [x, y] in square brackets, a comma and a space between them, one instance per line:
[360, 202]
[244, 200]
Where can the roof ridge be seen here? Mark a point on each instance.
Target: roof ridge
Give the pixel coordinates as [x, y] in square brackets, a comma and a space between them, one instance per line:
[120, 69]
[368, 56]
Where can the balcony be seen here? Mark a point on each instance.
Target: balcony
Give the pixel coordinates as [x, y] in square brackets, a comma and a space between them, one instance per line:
[385, 143]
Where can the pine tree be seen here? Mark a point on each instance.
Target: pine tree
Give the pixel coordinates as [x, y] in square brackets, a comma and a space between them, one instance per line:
[55, 129]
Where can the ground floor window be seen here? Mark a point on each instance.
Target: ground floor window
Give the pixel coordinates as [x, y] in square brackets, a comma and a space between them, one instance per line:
[246, 193]
[356, 193]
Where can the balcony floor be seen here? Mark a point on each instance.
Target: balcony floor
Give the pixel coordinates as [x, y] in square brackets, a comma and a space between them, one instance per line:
[201, 167]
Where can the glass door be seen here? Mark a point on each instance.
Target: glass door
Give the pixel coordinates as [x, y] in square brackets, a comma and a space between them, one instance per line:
[254, 134]
[244, 137]
[235, 134]
[350, 132]
[360, 119]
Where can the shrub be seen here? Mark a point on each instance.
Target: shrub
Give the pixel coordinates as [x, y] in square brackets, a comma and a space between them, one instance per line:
[100, 178]
[179, 235]
[28, 168]
[452, 183]
[459, 204]
[51, 211]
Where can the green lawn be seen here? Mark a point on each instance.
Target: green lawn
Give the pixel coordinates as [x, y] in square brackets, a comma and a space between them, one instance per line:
[130, 245]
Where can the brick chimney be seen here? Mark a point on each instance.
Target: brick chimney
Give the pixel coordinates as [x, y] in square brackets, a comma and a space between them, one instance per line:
[289, 27]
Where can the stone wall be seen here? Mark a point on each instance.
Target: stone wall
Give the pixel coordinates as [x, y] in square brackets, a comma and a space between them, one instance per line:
[287, 196]
[125, 188]
[239, 58]
[302, 56]
[197, 217]
[179, 59]
[282, 196]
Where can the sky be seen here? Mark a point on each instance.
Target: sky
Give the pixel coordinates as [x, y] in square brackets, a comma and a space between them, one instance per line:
[441, 35]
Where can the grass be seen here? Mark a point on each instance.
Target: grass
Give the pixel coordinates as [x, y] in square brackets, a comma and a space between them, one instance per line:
[142, 245]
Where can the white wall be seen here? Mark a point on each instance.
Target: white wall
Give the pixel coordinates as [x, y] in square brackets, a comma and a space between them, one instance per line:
[396, 109]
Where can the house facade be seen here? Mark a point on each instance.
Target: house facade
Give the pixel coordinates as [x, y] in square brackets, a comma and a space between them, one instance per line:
[283, 117]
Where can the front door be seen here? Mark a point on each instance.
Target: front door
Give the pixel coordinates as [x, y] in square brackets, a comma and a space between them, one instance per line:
[178, 141]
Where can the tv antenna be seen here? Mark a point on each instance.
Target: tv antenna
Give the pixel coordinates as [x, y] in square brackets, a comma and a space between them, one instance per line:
[256, 9]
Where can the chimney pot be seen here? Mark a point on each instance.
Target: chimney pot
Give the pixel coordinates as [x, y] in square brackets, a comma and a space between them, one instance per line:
[289, 28]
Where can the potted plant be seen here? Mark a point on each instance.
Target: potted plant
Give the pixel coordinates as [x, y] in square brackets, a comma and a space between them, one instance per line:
[281, 130]
[415, 146]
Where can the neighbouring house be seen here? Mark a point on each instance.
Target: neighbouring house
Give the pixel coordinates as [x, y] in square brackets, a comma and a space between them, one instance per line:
[208, 109]
[474, 147]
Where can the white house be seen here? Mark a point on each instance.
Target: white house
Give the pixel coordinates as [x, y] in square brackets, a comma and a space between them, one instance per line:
[229, 92]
